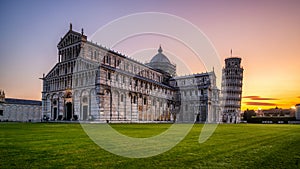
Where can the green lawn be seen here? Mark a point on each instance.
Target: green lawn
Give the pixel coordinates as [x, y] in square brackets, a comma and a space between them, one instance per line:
[36, 145]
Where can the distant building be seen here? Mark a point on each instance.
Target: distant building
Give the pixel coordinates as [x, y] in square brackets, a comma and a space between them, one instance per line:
[278, 112]
[270, 116]
[94, 83]
[19, 109]
[260, 113]
[297, 113]
[232, 82]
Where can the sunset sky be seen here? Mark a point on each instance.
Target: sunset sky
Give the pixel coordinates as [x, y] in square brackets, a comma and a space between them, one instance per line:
[264, 33]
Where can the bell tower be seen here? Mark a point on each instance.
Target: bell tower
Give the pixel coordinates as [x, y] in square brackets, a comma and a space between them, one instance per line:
[232, 82]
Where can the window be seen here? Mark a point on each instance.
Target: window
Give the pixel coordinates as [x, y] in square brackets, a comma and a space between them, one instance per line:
[109, 60]
[134, 99]
[186, 107]
[145, 101]
[104, 59]
[84, 100]
[1, 112]
[122, 97]
[108, 75]
[191, 93]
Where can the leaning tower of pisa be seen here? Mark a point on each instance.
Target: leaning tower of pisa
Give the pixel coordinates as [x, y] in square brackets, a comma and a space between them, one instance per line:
[232, 82]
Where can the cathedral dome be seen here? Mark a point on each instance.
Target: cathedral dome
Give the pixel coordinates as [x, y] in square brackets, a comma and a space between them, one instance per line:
[161, 62]
[160, 58]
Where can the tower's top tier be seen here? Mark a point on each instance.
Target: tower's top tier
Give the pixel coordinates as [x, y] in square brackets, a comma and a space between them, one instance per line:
[233, 62]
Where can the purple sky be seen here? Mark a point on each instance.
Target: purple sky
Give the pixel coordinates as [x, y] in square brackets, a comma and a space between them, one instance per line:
[265, 33]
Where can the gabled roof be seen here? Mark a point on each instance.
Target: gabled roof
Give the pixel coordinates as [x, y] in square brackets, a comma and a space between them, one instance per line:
[52, 70]
[80, 36]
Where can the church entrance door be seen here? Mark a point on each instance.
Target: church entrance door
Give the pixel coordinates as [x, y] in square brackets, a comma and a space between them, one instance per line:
[54, 113]
[69, 111]
[84, 112]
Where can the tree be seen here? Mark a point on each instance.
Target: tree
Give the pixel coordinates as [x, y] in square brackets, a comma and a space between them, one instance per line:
[248, 114]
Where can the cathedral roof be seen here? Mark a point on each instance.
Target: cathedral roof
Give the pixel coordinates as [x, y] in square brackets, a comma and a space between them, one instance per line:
[160, 57]
[22, 101]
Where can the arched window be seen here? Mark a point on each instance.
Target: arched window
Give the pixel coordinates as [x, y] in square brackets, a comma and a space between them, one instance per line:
[84, 99]
[122, 97]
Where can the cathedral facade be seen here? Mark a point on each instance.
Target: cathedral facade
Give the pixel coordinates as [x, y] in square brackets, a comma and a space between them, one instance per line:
[93, 83]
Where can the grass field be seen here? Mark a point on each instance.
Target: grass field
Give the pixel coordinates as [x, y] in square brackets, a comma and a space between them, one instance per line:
[42, 145]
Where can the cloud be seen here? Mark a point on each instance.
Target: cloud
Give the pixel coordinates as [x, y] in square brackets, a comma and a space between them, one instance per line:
[259, 98]
[260, 104]
[249, 97]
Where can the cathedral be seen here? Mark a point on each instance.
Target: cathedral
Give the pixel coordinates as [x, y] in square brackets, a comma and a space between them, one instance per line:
[93, 83]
